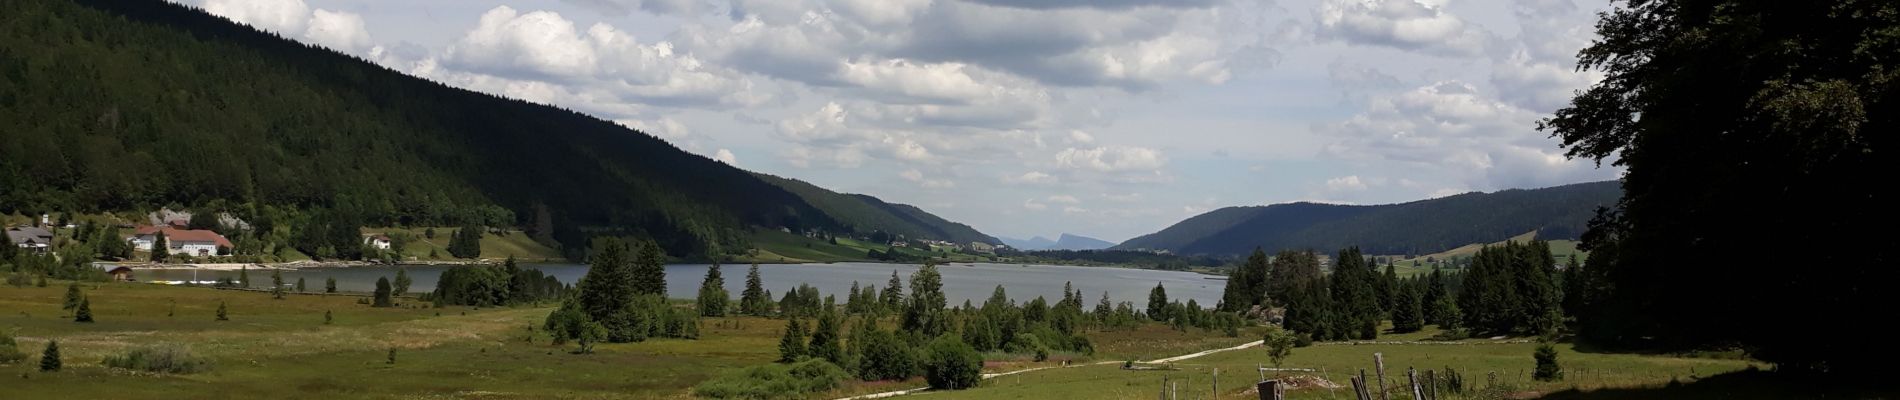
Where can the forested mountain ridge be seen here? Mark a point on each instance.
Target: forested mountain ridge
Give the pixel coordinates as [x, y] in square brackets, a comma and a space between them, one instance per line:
[1418, 227]
[138, 104]
[864, 213]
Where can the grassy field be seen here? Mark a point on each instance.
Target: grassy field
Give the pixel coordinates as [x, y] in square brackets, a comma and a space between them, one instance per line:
[494, 246]
[1586, 372]
[282, 349]
[1562, 249]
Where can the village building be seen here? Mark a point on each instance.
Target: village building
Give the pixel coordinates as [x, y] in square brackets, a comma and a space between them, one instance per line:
[380, 242]
[118, 273]
[192, 242]
[982, 247]
[33, 239]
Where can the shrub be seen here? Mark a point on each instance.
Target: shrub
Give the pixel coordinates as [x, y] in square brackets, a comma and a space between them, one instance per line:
[774, 381]
[9, 350]
[1279, 344]
[164, 360]
[951, 364]
[1454, 383]
[1547, 368]
[886, 357]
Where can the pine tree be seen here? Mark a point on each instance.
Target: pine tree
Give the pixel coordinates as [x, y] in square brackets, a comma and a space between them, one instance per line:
[402, 282]
[1407, 312]
[327, 318]
[606, 290]
[791, 346]
[825, 339]
[753, 301]
[1547, 367]
[924, 316]
[277, 284]
[712, 293]
[649, 274]
[161, 249]
[1389, 289]
[1355, 292]
[222, 315]
[1103, 309]
[84, 313]
[329, 285]
[1248, 285]
[244, 276]
[382, 295]
[73, 296]
[1158, 303]
[893, 296]
[49, 360]
[300, 286]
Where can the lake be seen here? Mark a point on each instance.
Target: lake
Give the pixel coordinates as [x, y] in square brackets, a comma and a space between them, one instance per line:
[961, 281]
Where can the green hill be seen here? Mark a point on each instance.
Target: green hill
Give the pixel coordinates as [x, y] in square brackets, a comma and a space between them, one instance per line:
[1419, 227]
[138, 104]
[863, 214]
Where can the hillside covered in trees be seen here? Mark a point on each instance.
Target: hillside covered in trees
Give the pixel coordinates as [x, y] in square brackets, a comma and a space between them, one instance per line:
[1419, 227]
[135, 105]
[864, 213]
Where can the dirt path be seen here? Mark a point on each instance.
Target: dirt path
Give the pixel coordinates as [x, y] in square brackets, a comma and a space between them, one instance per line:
[988, 376]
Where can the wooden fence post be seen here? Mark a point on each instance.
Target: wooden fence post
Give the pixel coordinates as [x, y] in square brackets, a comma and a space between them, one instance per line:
[1431, 380]
[1378, 360]
[1358, 388]
[1411, 375]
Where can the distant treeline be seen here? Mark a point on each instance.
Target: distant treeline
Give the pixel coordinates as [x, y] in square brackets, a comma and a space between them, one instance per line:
[1141, 259]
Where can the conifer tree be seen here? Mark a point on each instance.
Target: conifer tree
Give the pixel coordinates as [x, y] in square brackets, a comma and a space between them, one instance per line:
[382, 294]
[329, 285]
[826, 341]
[1407, 311]
[73, 296]
[754, 301]
[712, 293]
[1547, 367]
[1248, 285]
[222, 315]
[924, 316]
[244, 276]
[277, 284]
[400, 286]
[49, 360]
[791, 346]
[893, 296]
[1158, 303]
[649, 273]
[161, 249]
[300, 285]
[84, 313]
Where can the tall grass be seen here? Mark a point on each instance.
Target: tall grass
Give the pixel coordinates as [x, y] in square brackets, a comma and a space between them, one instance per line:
[170, 359]
[774, 381]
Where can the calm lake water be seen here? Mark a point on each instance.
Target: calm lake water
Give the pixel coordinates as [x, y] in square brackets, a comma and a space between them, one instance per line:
[961, 281]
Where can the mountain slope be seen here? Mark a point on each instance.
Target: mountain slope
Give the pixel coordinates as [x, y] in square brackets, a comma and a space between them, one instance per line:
[1076, 242]
[1418, 227]
[1034, 243]
[864, 214]
[113, 105]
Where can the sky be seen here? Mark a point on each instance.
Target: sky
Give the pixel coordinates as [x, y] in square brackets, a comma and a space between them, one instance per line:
[1103, 118]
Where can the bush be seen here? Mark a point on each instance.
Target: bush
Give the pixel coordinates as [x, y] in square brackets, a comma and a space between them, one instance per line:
[1454, 382]
[1547, 368]
[886, 357]
[774, 381]
[9, 350]
[951, 364]
[164, 360]
[1279, 344]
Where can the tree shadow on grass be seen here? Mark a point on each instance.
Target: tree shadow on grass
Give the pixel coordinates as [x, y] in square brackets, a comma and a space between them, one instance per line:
[1749, 384]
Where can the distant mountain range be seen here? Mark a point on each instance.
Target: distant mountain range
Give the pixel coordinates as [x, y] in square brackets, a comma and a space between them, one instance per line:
[1064, 242]
[1418, 227]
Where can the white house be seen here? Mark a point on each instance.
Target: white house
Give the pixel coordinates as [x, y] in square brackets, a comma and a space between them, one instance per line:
[982, 247]
[380, 242]
[193, 242]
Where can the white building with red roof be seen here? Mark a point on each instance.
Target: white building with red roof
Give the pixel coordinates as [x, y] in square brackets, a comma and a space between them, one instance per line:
[193, 242]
